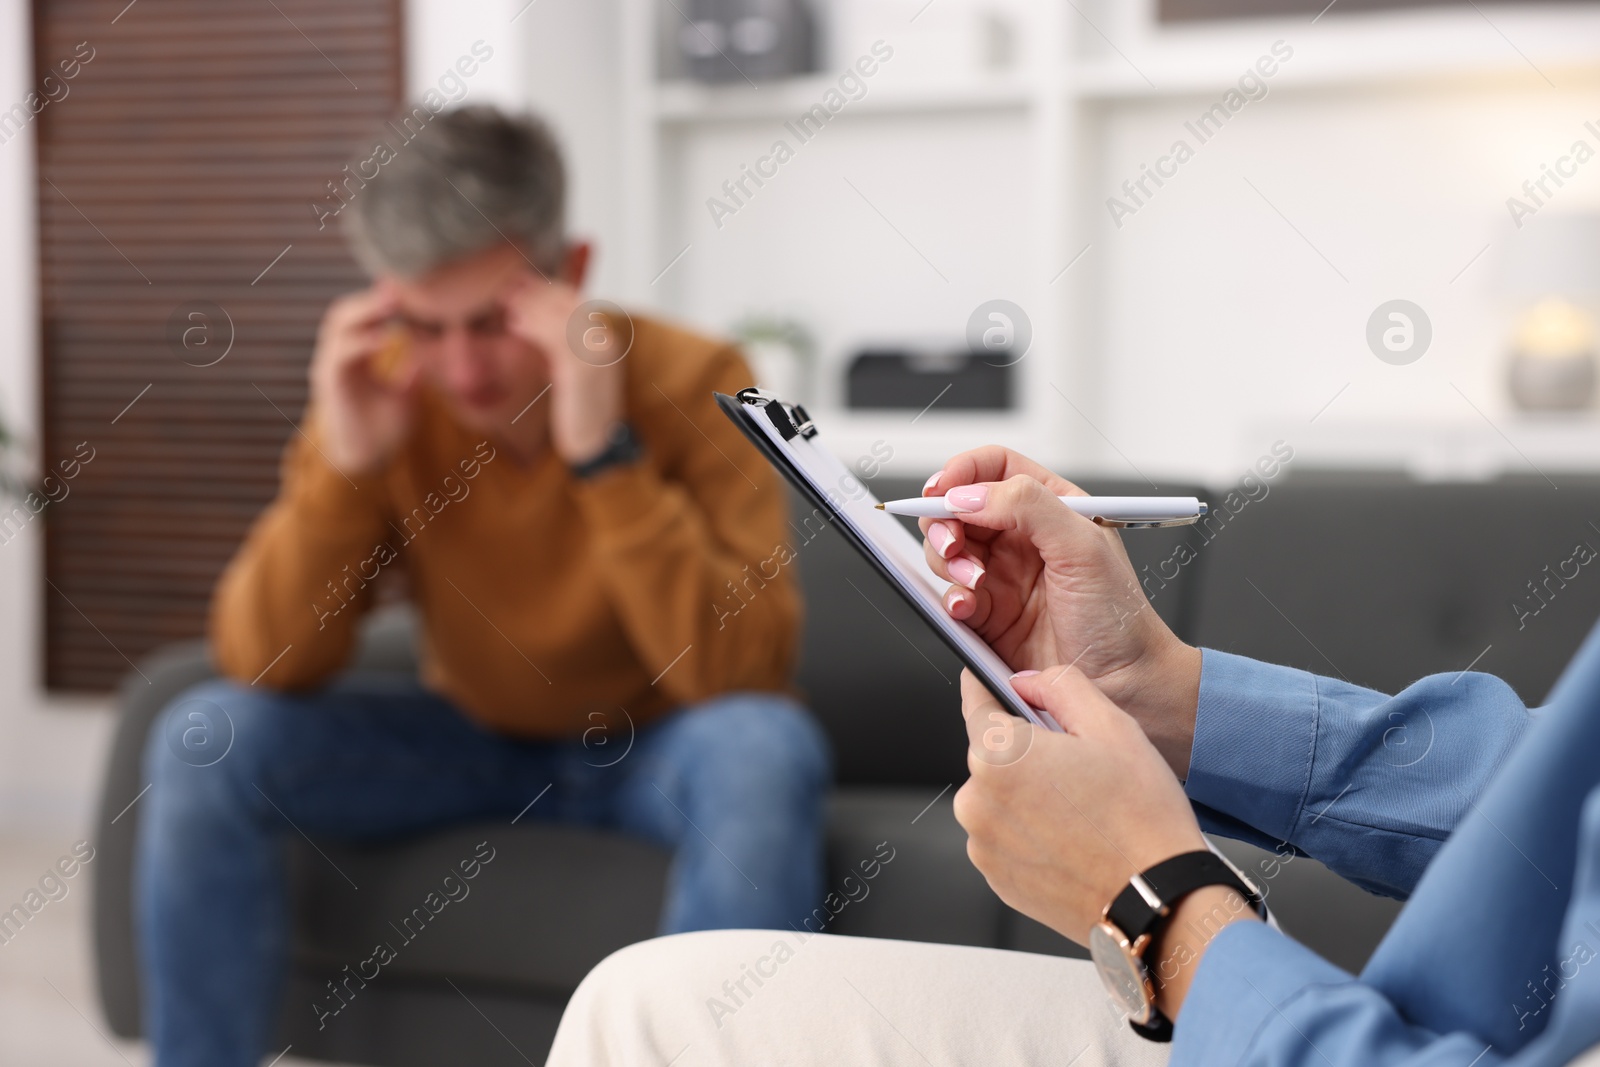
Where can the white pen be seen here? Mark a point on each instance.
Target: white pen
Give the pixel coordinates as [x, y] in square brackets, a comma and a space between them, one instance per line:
[1137, 511]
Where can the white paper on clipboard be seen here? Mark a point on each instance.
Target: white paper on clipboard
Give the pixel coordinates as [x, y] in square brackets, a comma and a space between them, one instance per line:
[893, 546]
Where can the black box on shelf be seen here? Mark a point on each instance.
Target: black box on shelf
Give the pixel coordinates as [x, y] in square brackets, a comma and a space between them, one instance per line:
[908, 378]
[747, 41]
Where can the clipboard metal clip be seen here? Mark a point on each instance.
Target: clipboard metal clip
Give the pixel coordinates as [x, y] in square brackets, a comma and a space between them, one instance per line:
[790, 420]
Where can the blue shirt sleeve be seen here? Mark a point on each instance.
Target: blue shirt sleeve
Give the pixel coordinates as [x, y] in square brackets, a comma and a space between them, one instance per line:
[1259, 998]
[1491, 962]
[1368, 784]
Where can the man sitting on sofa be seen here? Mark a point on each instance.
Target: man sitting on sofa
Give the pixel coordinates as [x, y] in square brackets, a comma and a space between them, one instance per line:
[570, 512]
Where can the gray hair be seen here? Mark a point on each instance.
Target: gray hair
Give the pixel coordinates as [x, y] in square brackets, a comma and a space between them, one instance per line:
[456, 183]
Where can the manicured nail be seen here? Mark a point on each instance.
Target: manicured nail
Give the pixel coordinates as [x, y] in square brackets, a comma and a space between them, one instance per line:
[931, 482]
[966, 571]
[1023, 674]
[942, 539]
[961, 604]
[967, 497]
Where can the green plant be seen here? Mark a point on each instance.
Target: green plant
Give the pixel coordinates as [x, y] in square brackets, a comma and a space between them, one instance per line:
[759, 328]
[10, 449]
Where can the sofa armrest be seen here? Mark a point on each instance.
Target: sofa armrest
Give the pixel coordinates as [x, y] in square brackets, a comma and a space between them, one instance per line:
[170, 671]
[387, 644]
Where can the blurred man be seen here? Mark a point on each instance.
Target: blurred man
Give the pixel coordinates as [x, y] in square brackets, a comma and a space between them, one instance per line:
[569, 510]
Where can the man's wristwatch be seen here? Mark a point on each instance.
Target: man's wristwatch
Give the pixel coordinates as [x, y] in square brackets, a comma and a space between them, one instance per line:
[623, 447]
[1134, 921]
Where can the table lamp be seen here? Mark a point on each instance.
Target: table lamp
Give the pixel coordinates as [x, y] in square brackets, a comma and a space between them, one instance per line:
[1551, 267]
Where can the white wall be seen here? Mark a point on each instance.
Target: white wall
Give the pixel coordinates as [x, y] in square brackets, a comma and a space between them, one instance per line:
[51, 749]
[571, 78]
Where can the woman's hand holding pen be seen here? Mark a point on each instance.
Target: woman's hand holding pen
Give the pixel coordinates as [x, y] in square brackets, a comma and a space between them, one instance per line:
[1058, 822]
[1045, 586]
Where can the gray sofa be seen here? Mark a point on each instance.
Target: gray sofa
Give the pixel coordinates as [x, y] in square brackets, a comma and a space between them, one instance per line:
[1381, 581]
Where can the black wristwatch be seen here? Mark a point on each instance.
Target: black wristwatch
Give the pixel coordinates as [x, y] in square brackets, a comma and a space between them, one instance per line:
[622, 448]
[1134, 920]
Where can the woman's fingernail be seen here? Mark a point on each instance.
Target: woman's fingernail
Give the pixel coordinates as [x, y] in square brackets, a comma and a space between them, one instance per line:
[967, 497]
[966, 571]
[942, 539]
[961, 604]
[1023, 674]
[931, 482]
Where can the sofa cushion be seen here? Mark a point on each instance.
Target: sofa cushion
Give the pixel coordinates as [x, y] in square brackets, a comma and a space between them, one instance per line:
[552, 902]
[926, 891]
[1385, 583]
[556, 900]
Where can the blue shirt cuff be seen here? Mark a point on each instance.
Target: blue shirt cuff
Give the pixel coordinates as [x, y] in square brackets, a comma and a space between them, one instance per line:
[1254, 736]
[1247, 975]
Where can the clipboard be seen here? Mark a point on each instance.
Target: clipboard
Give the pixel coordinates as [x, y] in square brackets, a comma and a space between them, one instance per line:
[787, 437]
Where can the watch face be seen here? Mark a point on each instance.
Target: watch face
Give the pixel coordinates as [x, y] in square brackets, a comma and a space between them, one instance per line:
[1123, 974]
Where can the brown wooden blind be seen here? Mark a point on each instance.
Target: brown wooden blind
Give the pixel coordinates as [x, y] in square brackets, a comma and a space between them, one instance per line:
[180, 165]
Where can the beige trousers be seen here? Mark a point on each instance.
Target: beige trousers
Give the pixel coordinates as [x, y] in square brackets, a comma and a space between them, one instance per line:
[743, 997]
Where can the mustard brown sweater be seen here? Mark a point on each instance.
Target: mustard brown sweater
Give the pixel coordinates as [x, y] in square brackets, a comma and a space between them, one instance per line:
[543, 598]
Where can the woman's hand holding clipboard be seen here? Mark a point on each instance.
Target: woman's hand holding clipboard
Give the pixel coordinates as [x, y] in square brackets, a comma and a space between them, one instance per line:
[1015, 584]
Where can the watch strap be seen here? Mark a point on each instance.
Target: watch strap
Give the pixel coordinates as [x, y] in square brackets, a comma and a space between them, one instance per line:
[1143, 907]
[1144, 904]
[623, 447]
[1159, 1028]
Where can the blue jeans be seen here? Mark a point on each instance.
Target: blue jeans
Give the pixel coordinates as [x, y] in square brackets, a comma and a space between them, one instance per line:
[734, 786]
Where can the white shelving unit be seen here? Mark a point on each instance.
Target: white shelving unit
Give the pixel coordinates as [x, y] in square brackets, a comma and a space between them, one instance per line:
[663, 119]
[690, 103]
[1528, 446]
[1052, 111]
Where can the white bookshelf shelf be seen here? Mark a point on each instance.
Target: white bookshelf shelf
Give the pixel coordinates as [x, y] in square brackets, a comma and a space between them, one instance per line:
[1114, 80]
[688, 102]
[1520, 444]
